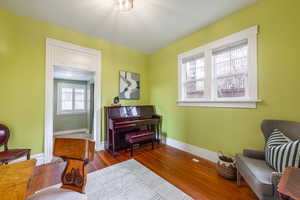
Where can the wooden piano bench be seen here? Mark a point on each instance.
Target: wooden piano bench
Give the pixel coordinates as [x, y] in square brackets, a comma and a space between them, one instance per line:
[139, 137]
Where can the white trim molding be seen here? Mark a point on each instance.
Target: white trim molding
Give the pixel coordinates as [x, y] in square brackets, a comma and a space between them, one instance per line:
[83, 130]
[245, 38]
[63, 54]
[39, 157]
[197, 151]
[101, 146]
[221, 104]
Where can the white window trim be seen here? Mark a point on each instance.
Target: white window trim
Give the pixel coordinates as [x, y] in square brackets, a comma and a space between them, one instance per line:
[74, 86]
[249, 34]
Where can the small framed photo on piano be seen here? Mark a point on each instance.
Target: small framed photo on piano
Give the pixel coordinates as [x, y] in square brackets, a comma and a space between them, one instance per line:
[129, 85]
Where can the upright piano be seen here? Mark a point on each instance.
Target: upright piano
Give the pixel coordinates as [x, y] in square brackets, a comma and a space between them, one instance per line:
[120, 120]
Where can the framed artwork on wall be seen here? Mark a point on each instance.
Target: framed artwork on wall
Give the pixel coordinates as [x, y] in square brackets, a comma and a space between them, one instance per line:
[129, 85]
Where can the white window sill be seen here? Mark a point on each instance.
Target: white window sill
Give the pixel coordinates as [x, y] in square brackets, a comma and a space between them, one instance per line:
[221, 103]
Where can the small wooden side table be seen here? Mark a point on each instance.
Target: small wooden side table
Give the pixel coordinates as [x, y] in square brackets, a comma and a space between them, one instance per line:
[15, 180]
[289, 184]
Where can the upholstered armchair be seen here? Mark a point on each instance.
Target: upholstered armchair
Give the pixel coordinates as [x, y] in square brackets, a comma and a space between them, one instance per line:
[251, 165]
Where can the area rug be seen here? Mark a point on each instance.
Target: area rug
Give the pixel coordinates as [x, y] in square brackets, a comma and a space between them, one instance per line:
[130, 180]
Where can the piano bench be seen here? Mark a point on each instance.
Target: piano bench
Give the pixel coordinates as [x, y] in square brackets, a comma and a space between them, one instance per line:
[139, 137]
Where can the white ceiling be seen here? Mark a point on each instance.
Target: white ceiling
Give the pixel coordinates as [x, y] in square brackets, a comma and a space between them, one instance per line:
[151, 25]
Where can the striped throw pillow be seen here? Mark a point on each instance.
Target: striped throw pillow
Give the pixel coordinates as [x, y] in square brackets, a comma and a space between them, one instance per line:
[281, 152]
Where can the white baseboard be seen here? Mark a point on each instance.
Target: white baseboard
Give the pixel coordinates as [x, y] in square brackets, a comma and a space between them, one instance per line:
[39, 157]
[85, 130]
[202, 153]
[101, 147]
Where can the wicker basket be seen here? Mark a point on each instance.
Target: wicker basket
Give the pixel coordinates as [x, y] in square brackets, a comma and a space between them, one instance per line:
[226, 166]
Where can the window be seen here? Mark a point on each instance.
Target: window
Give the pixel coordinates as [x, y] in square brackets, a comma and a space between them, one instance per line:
[194, 77]
[231, 71]
[222, 73]
[71, 98]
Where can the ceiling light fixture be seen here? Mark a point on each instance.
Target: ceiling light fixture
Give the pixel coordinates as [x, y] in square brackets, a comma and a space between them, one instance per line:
[123, 5]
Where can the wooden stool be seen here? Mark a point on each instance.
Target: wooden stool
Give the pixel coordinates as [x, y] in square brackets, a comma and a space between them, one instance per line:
[77, 153]
[139, 137]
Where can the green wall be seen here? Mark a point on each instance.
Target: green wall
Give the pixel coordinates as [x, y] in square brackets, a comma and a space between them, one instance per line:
[22, 78]
[22, 74]
[232, 129]
[67, 121]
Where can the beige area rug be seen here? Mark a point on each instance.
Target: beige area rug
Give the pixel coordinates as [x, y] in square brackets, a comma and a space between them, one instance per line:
[129, 180]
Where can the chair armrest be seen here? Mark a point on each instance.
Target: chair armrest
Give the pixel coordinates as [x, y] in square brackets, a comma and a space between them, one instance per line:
[254, 154]
[275, 181]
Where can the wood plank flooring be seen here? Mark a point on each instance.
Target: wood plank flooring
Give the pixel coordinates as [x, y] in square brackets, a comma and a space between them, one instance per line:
[199, 180]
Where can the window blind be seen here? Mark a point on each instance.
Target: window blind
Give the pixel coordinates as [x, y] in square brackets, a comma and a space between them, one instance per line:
[192, 58]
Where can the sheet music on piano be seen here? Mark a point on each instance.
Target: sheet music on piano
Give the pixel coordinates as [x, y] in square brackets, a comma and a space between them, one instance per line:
[129, 111]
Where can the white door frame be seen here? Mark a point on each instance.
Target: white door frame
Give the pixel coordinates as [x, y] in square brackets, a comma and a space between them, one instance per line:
[65, 54]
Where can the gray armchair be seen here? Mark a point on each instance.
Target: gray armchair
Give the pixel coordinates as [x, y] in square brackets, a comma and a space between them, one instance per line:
[251, 165]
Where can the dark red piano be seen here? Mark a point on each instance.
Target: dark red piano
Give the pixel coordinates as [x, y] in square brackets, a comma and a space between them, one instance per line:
[120, 120]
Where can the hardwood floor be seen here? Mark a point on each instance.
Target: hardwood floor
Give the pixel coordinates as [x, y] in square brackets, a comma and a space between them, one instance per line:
[199, 180]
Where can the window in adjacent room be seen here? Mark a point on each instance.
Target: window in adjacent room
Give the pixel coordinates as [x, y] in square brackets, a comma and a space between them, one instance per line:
[222, 73]
[71, 98]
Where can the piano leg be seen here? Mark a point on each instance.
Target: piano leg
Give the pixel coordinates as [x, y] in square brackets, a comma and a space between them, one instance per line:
[157, 133]
[114, 154]
[131, 150]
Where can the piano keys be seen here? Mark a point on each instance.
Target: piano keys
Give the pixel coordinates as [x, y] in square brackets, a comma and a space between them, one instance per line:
[124, 119]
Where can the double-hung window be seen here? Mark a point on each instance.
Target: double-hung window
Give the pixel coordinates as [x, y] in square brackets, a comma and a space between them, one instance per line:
[222, 73]
[231, 71]
[194, 77]
[71, 98]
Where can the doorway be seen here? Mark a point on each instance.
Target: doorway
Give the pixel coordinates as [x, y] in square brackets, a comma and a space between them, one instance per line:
[73, 99]
[73, 94]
